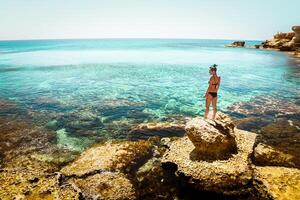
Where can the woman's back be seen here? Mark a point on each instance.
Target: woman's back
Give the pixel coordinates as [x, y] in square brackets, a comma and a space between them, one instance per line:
[214, 84]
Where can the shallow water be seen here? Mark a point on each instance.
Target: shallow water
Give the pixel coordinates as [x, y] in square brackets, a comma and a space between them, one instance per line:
[86, 90]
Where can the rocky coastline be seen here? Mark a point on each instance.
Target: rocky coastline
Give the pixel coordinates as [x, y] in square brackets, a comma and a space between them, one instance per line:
[253, 156]
[289, 41]
[214, 160]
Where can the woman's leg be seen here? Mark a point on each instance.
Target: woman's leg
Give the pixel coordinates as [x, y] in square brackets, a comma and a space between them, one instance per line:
[214, 104]
[208, 100]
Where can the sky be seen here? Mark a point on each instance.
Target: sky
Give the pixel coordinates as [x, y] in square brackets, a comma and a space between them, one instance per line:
[205, 19]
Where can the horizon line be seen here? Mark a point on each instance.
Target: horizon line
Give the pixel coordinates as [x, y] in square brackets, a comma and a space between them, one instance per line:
[126, 38]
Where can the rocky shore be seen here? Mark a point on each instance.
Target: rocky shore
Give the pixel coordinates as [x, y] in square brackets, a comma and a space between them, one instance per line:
[289, 41]
[212, 160]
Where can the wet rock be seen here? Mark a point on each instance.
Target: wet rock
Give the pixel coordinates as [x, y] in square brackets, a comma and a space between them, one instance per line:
[230, 176]
[280, 138]
[267, 155]
[236, 44]
[162, 129]
[277, 183]
[119, 156]
[212, 139]
[109, 185]
[57, 157]
[252, 124]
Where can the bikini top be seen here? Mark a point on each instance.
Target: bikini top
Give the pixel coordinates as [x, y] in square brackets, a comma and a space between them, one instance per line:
[215, 84]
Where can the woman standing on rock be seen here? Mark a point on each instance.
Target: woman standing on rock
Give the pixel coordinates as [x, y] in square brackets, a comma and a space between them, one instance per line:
[211, 94]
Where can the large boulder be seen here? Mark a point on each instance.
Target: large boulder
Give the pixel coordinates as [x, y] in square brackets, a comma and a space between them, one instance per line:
[230, 176]
[212, 139]
[277, 183]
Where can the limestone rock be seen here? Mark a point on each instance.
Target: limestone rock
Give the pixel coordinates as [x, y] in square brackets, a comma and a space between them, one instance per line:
[102, 171]
[267, 155]
[26, 178]
[109, 185]
[278, 183]
[212, 140]
[162, 129]
[119, 156]
[296, 39]
[281, 41]
[283, 137]
[231, 176]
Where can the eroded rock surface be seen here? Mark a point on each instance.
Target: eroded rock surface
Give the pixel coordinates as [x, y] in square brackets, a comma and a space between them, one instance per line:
[278, 183]
[212, 139]
[281, 41]
[281, 145]
[108, 185]
[104, 170]
[26, 178]
[265, 155]
[119, 156]
[230, 176]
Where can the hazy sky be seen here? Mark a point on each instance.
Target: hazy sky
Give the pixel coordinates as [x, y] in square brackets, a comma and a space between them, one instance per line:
[222, 19]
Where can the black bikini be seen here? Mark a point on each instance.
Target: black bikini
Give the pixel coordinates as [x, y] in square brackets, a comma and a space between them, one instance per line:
[213, 94]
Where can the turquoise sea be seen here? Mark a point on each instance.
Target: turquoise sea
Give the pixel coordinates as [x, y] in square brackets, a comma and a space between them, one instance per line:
[89, 89]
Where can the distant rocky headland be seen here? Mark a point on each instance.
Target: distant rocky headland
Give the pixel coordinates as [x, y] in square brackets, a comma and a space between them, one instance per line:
[289, 41]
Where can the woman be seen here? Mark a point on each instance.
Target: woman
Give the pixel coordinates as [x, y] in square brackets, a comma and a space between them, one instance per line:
[211, 94]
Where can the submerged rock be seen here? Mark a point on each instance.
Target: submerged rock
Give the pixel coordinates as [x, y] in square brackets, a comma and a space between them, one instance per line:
[212, 140]
[277, 183]
[64, 140]
[6, 104]
[17, 134]
[162, 129]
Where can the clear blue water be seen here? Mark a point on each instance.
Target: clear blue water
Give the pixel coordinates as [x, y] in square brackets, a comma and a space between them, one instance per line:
[120, 82]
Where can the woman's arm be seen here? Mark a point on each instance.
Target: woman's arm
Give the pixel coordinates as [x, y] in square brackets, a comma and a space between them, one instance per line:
[219, 83]
[207, 88]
